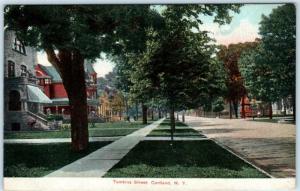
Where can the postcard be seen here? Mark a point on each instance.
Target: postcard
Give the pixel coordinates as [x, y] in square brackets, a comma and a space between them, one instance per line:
[149, 96]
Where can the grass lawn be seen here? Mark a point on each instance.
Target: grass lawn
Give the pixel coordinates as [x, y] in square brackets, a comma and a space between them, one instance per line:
[35, 160]
[184, 159]
[119, 124]
[181, 130]
[100, 130]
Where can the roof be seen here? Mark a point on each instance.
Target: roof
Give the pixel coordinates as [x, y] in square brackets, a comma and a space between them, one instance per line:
[51, 71]
[88, 67]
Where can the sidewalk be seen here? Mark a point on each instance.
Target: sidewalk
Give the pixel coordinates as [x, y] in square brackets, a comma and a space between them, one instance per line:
[99, 162]
[56, 140]
[270, 146]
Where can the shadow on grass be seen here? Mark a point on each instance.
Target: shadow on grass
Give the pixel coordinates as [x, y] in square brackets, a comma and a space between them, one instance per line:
[177, 124]
[35, 160]
[184, 159]
[187, 132]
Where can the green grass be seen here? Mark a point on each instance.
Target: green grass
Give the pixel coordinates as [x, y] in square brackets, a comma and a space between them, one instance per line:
[181, 130]
[100, 130]
[184, 159]
[188, 132]
[35, 160]
[120, 124]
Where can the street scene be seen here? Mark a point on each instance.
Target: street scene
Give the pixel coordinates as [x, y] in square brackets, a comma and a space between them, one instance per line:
[169, 92]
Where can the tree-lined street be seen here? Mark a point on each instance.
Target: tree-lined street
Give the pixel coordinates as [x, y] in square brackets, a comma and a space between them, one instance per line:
[188, 104]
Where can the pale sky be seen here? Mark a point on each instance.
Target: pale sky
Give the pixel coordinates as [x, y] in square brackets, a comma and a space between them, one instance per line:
[243, 27]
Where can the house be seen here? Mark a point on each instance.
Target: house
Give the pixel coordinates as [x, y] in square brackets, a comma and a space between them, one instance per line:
[23, 98]
[52, 85]
[111, 105]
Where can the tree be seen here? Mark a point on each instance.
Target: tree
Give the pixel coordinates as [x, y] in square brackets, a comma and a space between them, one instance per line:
[234, 81]
[181, 59]
[117, 103]
[218, 105]
[259, 76]
[269, 69]
[278, 32]
[69, 34]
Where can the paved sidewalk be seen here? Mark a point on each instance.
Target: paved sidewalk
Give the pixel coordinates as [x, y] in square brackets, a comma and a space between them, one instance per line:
[99, 162]
[56, 140]
[270, 146]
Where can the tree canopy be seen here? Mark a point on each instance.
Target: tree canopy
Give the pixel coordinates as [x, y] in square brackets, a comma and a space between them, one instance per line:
[269, 69]
[234, 80]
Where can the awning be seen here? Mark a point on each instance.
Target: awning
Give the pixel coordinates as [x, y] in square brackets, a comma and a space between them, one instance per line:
[36, 95]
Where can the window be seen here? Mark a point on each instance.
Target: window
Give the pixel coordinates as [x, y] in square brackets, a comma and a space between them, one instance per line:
[14, 103]
[47, 81]
[19, 46]
[11, 69]
[23, 70]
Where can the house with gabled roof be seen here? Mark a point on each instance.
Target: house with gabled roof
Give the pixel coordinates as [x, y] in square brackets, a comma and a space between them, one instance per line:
[52, 85]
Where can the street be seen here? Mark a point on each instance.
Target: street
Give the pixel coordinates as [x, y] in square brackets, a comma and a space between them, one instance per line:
[270, 146]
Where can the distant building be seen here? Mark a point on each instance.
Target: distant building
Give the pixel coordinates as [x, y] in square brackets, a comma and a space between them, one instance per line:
[111, 105]
[23, 98]
[52, 85]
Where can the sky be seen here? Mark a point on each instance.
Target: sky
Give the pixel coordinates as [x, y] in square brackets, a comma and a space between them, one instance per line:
[243, 27]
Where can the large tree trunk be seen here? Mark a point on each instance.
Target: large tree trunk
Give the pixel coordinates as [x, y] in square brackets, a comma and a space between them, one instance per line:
[137, 111]
[270, 111]
[70, 66]
[144, 109]
[177, 116]
[152, 114]
[230, 110]
[172, 122]
[284, 107]
[127, 109]
[159, 113]
[183, 118]
[243, 107]
[235, 107]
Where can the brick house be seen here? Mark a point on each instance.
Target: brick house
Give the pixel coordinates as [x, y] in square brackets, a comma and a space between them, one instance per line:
[23, 98]
[52, 85]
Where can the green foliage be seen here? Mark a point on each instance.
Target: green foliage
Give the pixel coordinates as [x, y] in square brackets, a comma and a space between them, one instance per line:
[269, 69]
[55, 117]
[176, 65]
[278, 32]
[260, 77]
[89, 29]
[218, 105]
